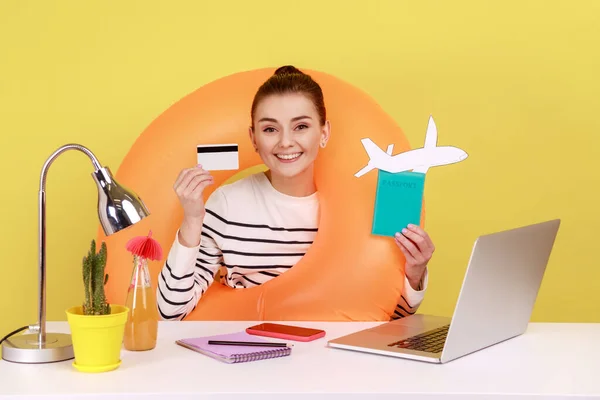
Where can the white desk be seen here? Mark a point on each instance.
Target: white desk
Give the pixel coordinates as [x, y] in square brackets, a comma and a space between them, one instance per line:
[550, 361]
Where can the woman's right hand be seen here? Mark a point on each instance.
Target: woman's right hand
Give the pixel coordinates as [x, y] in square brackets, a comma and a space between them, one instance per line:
[189, 187]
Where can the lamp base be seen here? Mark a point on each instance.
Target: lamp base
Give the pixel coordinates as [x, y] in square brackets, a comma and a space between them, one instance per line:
[26, 349]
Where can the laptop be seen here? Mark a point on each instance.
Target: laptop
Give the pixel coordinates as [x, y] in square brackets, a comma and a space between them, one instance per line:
[495, 302]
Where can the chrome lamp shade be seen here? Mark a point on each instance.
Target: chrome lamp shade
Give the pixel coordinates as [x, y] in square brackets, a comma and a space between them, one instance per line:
[118, 208]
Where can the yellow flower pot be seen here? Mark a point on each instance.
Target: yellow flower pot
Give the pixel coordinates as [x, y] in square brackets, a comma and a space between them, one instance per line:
[97, 339]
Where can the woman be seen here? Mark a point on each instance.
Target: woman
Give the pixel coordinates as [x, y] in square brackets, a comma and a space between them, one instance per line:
[262, 225]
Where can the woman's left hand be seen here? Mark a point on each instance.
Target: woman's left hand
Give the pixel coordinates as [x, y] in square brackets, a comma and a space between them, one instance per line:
[418, 249]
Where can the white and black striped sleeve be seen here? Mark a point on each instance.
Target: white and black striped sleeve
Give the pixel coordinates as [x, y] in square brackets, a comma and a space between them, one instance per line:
[410, 299]
[189, 271]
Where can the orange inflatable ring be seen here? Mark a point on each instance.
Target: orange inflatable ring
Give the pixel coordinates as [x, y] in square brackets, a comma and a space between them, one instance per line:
[347, 274]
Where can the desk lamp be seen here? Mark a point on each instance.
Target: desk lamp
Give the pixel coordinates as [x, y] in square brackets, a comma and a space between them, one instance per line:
[118, 208]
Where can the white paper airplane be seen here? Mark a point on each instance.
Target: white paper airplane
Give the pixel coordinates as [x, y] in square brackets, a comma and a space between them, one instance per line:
[417, 160]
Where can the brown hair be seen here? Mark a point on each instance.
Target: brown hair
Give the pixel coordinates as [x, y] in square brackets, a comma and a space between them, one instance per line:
[288, 79]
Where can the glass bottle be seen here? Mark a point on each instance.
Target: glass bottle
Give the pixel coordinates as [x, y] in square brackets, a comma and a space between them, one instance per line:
[142, 324]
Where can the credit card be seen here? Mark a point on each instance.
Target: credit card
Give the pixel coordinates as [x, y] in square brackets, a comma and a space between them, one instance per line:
[218, 157]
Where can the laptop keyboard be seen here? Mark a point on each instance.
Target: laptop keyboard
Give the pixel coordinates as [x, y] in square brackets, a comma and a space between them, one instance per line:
[430, 341]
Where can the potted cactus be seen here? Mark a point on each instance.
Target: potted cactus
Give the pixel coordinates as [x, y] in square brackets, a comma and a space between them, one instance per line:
[97, 328]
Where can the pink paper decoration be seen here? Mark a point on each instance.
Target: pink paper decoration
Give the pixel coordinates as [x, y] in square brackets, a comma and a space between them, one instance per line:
[146, 247]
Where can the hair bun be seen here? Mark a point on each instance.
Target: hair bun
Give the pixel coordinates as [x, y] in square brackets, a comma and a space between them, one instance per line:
[288, 69]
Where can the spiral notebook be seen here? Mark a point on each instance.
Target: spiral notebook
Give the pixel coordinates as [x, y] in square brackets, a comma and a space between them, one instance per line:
[234, 354]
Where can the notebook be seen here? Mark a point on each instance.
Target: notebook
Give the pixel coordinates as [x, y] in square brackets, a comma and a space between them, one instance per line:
[234, 354]
[398, 201]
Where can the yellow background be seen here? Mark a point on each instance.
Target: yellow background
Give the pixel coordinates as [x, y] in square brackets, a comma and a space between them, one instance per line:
[514, 83]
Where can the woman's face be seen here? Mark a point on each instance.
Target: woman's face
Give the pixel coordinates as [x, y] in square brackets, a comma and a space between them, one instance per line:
[287, 133]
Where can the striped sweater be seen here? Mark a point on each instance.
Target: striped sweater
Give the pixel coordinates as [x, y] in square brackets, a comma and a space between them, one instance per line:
[251, 233]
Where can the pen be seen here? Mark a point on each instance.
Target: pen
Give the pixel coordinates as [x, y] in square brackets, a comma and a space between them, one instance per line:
[258, 344]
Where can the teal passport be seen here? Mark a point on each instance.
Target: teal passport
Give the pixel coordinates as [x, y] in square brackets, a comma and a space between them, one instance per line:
[398, 201]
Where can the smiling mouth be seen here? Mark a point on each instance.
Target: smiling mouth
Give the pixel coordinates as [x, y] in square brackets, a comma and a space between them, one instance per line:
[288, 157]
